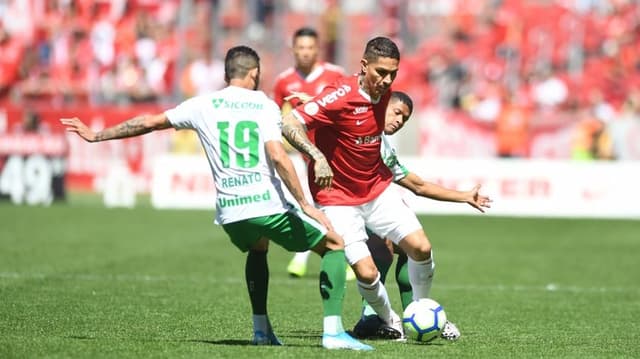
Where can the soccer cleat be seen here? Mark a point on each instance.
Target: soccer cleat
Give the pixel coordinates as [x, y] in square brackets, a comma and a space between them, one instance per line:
[296, 268]
[343, 341]
[450, 331]
[372, 327]
[260, 338]
[367, 327]
[396, 325]
[351, 275]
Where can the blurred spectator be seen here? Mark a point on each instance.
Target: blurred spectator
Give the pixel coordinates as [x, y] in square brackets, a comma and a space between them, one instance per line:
[204, 74]
[625, 130]
[446, 74]
[484, 102]
[512, 128]
[548, 90]
[560, 54]
[11, 57]
[591, 139]
[32, 123]
[330, 28]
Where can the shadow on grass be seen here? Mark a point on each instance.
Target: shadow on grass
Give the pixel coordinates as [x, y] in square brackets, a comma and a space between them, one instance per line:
[243, 343]
[301, 334]
[81, 337]
[237, 342]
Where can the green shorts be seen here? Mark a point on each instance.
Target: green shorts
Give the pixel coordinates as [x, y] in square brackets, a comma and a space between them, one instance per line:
[293, 230]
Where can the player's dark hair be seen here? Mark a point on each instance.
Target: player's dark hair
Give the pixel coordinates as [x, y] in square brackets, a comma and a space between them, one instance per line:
[305, 31]
[381, 47]
[404, 98]
[239, 61]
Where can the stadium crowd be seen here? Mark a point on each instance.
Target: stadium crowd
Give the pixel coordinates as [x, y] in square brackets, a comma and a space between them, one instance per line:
[513, 67]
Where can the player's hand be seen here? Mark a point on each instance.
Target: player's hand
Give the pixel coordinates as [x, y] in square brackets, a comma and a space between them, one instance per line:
[318, 215]
[324, 174]
[477, 200]
[77, 126]
[301, 96]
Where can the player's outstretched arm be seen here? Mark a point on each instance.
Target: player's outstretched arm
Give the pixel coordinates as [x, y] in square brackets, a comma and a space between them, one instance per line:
[130, 128]
[295, 132]
[286, 170]
[430, 190]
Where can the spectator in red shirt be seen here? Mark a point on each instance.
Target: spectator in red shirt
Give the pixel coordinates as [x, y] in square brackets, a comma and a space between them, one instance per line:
[12, 54]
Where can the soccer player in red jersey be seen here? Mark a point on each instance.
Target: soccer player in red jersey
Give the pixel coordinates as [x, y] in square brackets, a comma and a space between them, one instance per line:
[351, 183]
[307, 76]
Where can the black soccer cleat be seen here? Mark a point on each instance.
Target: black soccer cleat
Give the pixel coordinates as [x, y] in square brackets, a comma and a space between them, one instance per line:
[367, 327]
[372, 327]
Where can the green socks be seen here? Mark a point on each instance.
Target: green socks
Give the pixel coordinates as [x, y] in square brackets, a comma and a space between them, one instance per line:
[333, 268]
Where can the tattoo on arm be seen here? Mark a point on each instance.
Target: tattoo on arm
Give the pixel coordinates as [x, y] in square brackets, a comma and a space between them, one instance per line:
[297, 137]
[129, 128]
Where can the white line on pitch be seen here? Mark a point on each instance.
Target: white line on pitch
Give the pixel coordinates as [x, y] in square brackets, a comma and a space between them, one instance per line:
[551, 287]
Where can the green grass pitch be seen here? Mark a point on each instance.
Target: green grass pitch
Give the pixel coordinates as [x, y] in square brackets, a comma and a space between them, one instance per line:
[78, 281]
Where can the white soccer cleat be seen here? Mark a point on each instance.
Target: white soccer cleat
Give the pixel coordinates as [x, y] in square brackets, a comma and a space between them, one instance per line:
[450, 331]
[396, 323]
[343, 341]
[394, 331]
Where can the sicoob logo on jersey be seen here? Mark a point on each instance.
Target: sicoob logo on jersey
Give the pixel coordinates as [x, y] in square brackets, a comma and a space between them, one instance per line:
[312, 108]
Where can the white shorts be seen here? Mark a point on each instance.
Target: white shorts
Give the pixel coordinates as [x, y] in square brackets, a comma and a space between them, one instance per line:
[388, 216]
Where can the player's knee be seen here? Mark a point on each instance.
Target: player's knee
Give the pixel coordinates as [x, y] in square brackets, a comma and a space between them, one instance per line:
[262, 245]
[421, 251]
[366, 271]
[333, 241]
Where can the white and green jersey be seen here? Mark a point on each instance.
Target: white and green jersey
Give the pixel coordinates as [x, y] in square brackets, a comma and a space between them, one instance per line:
[389, 157]
[233, 125]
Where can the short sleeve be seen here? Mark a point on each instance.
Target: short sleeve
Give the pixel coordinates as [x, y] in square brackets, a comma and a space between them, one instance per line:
[390, 159]
[271, 123]
[183, 115]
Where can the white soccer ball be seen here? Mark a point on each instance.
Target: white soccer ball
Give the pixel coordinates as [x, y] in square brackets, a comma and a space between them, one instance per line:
[423, 320]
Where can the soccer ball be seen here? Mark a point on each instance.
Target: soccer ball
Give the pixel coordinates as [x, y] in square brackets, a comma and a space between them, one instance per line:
[423, 320]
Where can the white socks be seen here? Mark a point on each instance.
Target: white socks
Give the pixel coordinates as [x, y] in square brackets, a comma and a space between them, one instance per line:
[376, 295]
[332, 325]
[421, 277]
[301, 257]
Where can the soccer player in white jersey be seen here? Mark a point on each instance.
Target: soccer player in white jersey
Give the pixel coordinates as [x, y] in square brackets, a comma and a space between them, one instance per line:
[398, 111]
[238, 127]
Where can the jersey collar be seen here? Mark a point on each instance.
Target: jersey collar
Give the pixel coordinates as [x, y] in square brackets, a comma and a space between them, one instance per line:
[364, 94]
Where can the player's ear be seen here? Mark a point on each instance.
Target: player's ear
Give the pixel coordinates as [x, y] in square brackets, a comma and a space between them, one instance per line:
[363, 66]
[254, 73]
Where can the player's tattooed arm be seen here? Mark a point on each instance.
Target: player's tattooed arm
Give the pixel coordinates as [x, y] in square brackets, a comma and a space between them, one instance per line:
[134, 127]
[295, 132]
